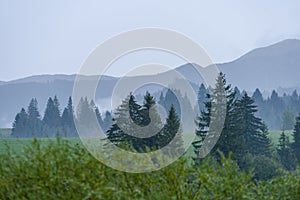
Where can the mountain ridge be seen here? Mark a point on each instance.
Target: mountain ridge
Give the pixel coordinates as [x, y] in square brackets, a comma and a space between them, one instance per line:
[267, 68]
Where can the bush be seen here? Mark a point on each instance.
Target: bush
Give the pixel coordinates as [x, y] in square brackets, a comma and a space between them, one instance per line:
[60, 170]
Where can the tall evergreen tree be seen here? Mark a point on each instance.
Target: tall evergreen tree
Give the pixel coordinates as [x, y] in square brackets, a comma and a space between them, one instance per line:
[171, 132]
[254, 131]
[231, 138]
[85, 117]
[67, 119]
[20, 125]
[116, 134]
[34, 119]
[296, 139]
[52, 118]
[285, 153]
[151, 119]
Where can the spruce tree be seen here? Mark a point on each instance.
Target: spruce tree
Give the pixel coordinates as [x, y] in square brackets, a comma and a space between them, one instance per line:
[152, 120]
[171, 132]
[67, 119]
[52, 118]
[85, 117]
[20, 125]
[137, 122]
[34, 119]
[296, 139]
[231, 139]
[116, 134]
[285, 153]
[252, 127]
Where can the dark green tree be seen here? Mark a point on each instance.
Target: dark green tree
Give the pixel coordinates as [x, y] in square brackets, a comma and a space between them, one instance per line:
[171, 132]
[52, 118]
[252, 127]
[231, 139]
[296, 139]
[34, 119]
[20, 125]
[67, 119]
[285, 153]
[116, 134]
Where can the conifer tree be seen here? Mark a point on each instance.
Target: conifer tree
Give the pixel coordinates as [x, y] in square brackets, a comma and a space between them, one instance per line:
[34, 119]
[20, 125]
[252, 127]
[231, 139]
[285, 153]
[171, 132]
[68, 123]
[121, 116]
[86, 120]
[52, 118]
[296, 139]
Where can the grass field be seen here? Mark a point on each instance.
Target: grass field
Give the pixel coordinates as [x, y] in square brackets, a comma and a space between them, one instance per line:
[18, 145]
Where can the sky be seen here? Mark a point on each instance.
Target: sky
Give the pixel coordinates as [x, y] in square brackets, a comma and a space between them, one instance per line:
[55, 37]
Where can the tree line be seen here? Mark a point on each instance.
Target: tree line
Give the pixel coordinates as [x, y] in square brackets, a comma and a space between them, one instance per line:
[278, 112]
[30, 123]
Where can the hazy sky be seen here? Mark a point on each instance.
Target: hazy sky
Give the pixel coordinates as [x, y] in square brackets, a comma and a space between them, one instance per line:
[48, 37]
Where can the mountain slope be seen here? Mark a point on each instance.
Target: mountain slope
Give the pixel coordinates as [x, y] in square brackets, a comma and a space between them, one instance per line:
[267, 68]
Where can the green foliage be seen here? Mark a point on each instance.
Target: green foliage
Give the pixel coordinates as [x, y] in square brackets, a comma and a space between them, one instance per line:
[59, 169]
[263, 167]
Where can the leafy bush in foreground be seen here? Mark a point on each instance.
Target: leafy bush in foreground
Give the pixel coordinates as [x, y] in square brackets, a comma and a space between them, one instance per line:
[60, 170]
